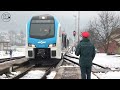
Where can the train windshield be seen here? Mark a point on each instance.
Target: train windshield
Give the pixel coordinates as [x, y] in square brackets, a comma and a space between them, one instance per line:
[42, 29]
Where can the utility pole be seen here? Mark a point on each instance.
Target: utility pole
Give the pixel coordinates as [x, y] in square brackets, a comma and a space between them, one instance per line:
[75, 27]
[78, 24]
[75, 21]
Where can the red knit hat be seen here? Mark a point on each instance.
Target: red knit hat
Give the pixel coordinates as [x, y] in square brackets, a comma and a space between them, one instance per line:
[85, 34]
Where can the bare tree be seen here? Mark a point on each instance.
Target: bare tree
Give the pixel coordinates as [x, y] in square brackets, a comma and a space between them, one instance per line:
[22, 38]
[102, 27]
[1, 37]
[12, 37]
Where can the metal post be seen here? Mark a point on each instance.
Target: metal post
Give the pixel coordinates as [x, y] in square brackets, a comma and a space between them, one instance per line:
[78, 24]
[75, 21]
[75, 26]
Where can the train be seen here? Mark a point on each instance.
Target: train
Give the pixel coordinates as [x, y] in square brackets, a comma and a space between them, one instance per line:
[44, 38]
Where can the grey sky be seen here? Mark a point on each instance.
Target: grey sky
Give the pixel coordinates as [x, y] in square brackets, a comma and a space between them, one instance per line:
[19, 19]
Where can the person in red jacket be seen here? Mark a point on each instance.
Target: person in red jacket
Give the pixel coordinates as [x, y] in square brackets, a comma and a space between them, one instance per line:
[86, 50]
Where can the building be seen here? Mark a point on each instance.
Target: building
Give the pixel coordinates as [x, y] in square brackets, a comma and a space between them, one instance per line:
[114, 43]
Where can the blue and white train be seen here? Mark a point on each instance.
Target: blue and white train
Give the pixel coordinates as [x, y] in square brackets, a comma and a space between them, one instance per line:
[44, 38]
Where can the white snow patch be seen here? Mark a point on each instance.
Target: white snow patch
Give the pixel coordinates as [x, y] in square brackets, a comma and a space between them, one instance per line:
[34, 74]
[93, 76]
[9, 76]
[51, 75]
[109, 75]
[69, 66]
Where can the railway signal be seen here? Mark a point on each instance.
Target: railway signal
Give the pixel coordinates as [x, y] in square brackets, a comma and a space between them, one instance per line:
[74, 33]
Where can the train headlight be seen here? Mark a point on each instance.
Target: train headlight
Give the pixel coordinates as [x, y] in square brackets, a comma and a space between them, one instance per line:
[43, 17]
[52, 45]
[31, 45]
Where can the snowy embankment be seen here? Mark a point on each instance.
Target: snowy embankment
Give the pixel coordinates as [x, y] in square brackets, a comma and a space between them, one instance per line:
[16, 53]
[111, 61]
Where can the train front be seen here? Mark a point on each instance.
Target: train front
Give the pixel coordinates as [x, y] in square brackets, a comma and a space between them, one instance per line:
[41, 35]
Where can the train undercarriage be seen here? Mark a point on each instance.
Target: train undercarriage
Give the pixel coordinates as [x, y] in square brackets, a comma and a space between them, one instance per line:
[42, 57]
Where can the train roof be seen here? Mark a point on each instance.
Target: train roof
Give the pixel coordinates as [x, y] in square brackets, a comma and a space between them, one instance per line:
[50, 17]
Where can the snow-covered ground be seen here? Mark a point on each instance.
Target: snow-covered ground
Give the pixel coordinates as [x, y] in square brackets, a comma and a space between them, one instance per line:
[34, 74]
[18, 52]
[111, 61]
[51, 75]
[9, 76]
[108, 75]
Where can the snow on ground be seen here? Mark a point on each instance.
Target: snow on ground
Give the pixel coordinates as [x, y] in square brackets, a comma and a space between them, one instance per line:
[111, 61]
[9, 76]
[93, 76]
[15, 54]
[18, 52]
[34, 74]
[51, 75]
[109, 75]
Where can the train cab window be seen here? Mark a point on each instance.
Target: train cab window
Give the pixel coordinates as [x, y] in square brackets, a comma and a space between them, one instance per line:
[42, 30]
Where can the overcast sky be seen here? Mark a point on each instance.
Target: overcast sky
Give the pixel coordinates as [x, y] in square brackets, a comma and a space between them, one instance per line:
[20, 18]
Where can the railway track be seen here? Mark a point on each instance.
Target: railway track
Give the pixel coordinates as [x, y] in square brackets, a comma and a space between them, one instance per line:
[26, 68]
[23, 72]
[6, 67]
[10, 59]
[94, 69]
[78, 65]
[47, 72]
[10, 69]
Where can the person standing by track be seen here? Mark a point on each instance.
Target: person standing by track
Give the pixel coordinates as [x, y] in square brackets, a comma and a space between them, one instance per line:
[11, 53]
[86, 50]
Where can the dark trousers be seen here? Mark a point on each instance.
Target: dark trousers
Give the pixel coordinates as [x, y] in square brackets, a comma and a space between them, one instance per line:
[86, 72]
